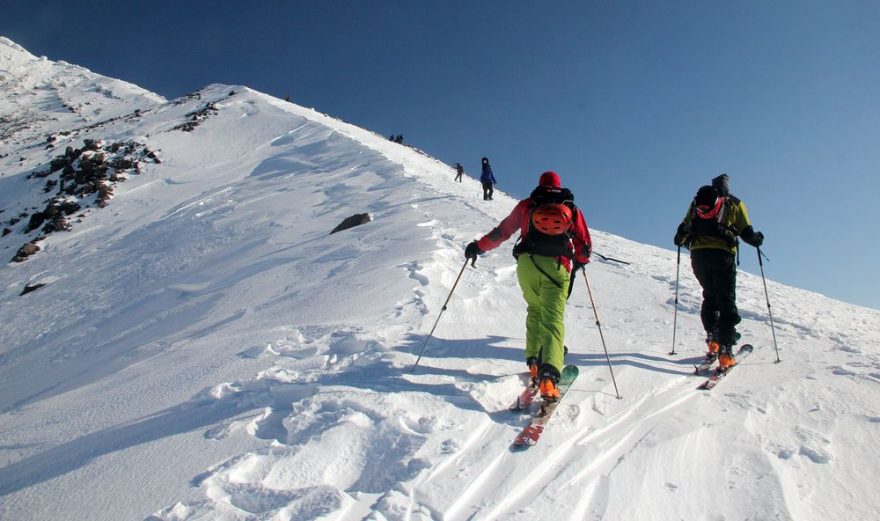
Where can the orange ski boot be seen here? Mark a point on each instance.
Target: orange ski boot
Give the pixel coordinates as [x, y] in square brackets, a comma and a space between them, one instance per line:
[712, 353]
[726, 359]
[533, 370]
[548, 388]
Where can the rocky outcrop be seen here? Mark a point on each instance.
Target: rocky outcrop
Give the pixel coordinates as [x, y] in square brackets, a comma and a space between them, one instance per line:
[80, 178]
[196, 117]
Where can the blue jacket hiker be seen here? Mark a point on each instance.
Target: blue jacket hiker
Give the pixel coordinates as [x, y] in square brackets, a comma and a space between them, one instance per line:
[488, 180]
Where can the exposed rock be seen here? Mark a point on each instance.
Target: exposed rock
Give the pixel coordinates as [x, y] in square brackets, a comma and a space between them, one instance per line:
[351, 222]
[57, 223]
[25, 251]
[89, 170]
[196, 117]
[58, 163]
[31, 287]
[122, 163]
[69, 207]
[35, 222]
[104, 194]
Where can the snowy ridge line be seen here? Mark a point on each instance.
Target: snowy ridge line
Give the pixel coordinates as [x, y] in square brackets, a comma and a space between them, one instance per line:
[434, 174]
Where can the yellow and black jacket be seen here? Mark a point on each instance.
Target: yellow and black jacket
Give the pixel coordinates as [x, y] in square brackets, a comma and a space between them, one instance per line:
[720, 233]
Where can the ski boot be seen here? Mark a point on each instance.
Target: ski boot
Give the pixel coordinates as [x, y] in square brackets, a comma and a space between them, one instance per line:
[725, 358]
[533, 370]
[712, 347]
[549, 384]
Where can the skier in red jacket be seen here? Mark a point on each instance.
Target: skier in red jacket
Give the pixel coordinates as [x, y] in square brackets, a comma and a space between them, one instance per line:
[554, 241]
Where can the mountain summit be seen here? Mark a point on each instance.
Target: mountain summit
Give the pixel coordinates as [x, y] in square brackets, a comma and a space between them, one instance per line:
[195, 343]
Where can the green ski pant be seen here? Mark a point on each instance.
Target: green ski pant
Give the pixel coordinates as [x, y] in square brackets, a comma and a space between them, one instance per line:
[545, 313]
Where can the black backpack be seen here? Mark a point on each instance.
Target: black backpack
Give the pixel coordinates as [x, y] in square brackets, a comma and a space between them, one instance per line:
[709, 215]
[555, 207]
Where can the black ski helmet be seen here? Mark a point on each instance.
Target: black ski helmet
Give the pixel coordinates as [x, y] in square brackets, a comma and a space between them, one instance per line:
[722, 184]
[706, 196]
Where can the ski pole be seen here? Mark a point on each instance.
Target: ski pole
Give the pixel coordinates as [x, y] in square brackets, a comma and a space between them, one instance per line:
[431, 334]
[767, 296]
[610, 259]
[675, 314]
[598, 325]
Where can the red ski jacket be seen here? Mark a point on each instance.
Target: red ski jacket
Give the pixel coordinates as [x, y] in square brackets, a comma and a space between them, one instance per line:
[519, 220]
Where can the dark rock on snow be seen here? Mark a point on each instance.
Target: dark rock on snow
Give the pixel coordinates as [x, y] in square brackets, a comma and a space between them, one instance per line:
[351, 222]
[31, 287]
[25, 251]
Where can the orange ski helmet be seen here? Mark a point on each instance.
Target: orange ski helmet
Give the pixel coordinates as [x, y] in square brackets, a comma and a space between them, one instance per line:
[552, 219]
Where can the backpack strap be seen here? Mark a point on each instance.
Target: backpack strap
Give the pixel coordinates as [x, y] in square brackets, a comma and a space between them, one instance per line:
[554, 281]
[719, 217]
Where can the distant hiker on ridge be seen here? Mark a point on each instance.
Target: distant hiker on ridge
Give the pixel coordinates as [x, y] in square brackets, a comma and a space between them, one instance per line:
[488, 179]
[554, 241]
[459, 171]
[710, 230]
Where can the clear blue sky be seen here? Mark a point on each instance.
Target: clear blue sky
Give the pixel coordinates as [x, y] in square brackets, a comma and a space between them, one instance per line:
[635, 104]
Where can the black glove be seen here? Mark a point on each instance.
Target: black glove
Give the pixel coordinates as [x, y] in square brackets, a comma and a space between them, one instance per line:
[752, 237]
[471, 252]
[681, 236]
[755, 240]
[586, 251]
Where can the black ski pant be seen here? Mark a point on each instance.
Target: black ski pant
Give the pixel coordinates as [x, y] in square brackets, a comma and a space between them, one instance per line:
[488, 191]
[716, 271]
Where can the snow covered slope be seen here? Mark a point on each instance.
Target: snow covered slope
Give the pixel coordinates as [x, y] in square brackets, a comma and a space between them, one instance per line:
[39, 95]
[203, 348]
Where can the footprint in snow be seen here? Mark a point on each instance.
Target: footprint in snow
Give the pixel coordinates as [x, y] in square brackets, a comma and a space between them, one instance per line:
[841, 371]
[816, 455]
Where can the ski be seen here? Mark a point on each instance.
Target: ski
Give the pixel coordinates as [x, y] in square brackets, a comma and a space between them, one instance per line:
[703, 366]
[527, 396]
[744, 351]
[532, 432]
[706, 364]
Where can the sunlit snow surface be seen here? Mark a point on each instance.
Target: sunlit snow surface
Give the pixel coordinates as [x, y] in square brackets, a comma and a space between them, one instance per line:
[204, 349]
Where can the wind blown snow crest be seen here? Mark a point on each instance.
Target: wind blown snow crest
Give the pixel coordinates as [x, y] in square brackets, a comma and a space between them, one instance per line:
[203, 349]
